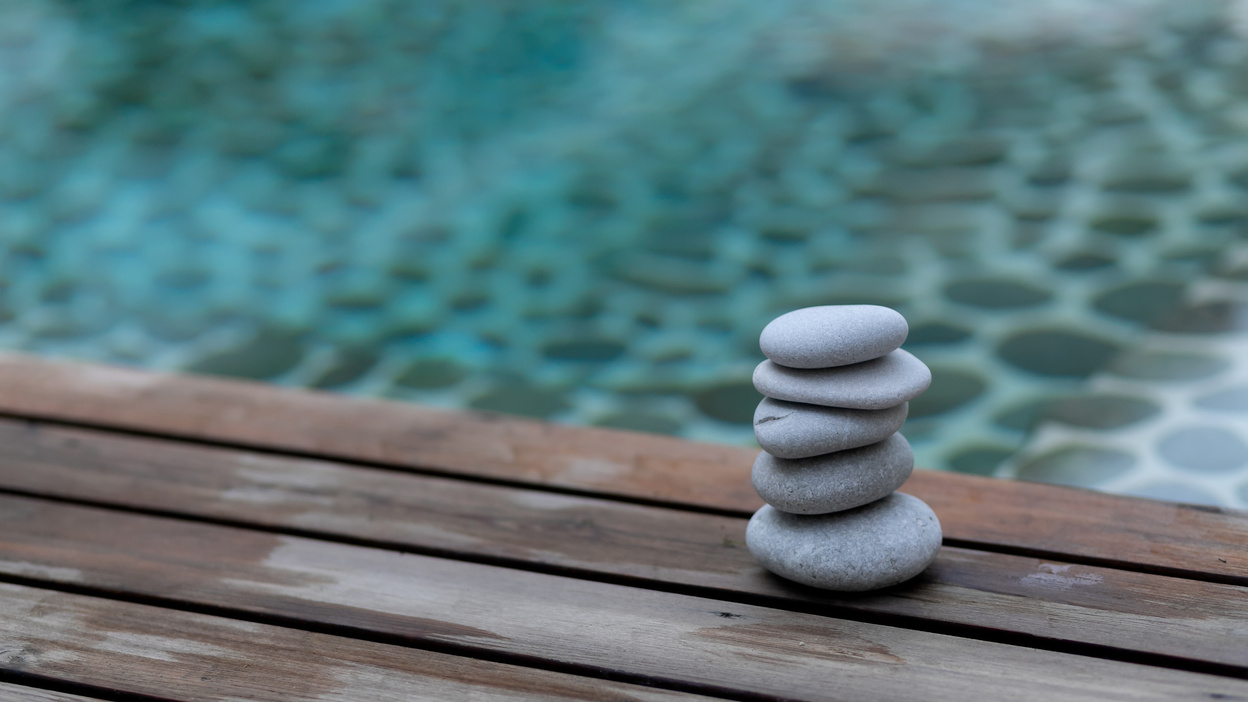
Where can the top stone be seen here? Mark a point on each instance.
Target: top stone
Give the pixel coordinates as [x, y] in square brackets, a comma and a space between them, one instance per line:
[832, 335]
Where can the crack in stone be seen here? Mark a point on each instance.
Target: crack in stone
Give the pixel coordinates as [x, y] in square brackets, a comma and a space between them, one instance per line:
[771, 418]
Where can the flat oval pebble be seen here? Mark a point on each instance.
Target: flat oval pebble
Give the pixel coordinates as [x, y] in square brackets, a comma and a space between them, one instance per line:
[836, 481]
[877, 545]
[832, 335]
[880, 383]
[796, 430]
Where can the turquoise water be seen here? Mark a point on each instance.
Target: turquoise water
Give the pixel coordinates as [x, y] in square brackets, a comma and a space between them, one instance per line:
[586, 211]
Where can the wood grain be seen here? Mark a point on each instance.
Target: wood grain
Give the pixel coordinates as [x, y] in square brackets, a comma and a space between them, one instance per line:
[625, 631]
[470, 443]
[655, 547]
[1035, 519]
[21, 693]
[1050, 520]
[184, 656]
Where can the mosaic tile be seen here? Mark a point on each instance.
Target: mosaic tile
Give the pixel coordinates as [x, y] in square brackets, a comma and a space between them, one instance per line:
[1230, 400]
[183, 279]
[1080, 466]
[1101, 411]
[936, 333]
[1224, 216]
[967, 151]
[1204, 449]
[1216, 317]
[1125, 225]
[63, 325]
[1140, 302]
[638, 421]
[362, 298]
[1167, 365]
[1149, 176]
[521, 397]
[431, 373]
[585, 350]
[348, 365]
[673, 275]
[1057, 352]
[268, 354]
[1085, 262]
[934, 185]
[1175, 491]
[1026, 415]
[980, 459]
[1233, 271]
[996, 294]
[879, 265]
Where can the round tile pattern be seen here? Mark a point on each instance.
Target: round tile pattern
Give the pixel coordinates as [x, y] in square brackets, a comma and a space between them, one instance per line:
[1168, 365]
[1188, 400]
[1081, 466]
[1101, 411]
[1057, 352]
[1204, 449]
[1229, 400]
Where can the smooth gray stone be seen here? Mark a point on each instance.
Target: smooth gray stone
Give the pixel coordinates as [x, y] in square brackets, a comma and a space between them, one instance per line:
[880, 383]
[832, 335]
[877, 545]
[795, 430]
[836, 481]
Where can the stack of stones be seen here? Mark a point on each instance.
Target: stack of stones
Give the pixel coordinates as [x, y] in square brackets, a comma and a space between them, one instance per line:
[837, 389]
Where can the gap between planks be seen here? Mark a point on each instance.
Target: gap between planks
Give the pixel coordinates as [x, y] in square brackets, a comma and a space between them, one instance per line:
[37, 689]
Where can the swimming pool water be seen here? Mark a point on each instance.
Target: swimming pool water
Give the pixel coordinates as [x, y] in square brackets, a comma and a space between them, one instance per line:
[587, 211]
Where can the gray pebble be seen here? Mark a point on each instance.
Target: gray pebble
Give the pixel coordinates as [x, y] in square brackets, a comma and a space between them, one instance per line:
[832, 335]
[795, 430]
[877, 545]
[835, 481]
[880, 383]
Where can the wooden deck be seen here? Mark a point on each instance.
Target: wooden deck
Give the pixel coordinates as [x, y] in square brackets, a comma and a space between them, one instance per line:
[199, 539]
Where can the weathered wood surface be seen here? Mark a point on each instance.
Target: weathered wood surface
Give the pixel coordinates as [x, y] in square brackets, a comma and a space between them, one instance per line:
[177, 655]
[1032, 519]
[485, 610]
[23, 693]
[657, 547]
[470, 555]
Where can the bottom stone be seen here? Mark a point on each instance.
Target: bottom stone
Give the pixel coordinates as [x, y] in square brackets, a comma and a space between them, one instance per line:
[876, 545]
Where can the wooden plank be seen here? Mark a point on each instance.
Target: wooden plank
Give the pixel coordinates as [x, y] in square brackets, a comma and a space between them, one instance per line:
[1050, 520]
[626, 631]
[400, 434]
[155, 651]
[22, 693]
[1027, 518]
[1052, 600]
